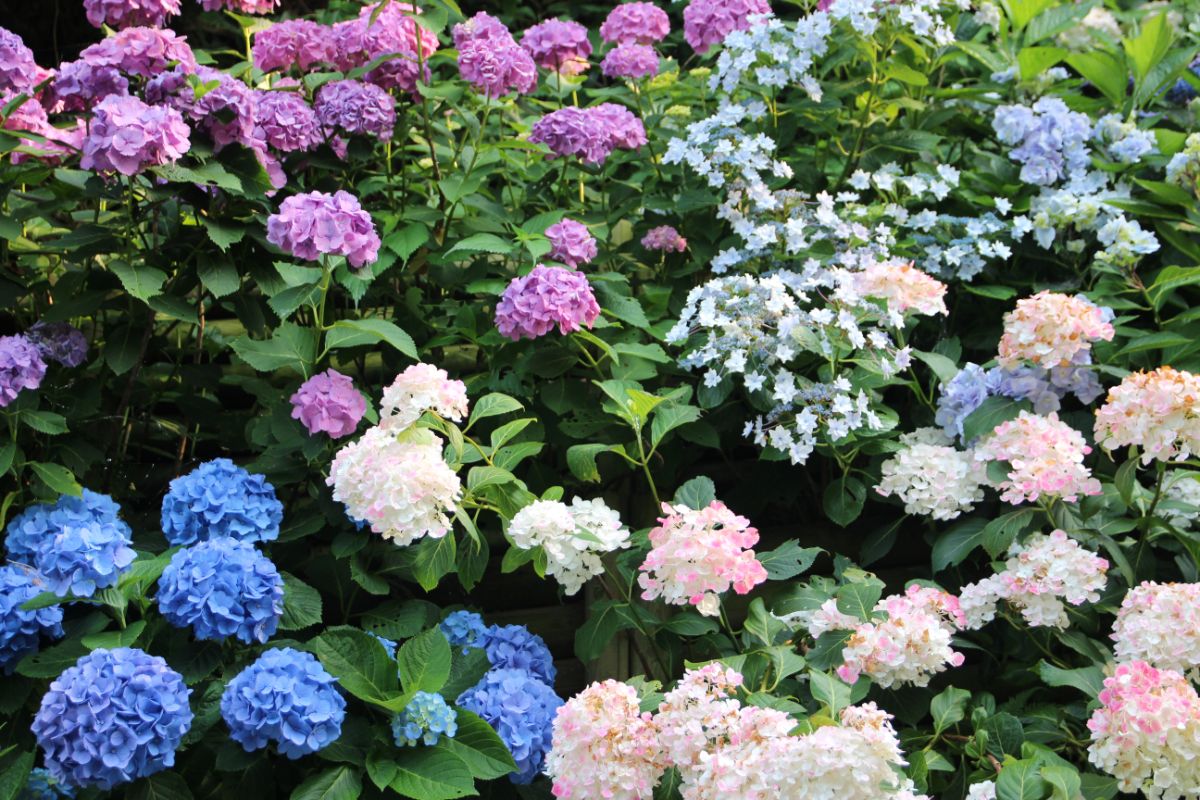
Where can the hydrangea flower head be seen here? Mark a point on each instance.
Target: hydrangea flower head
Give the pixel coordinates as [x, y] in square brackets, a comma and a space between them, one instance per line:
[491, 60]
[420, 388]
[557, 45]
[219, 498]
[1051, 139]
[635, 23]
[630, 61]
[60, 342]
[463, 629]
[1159, 623]
[1051, 330]
[140, 51]
[571, 243]
[21, 367]
[514, 647]
[904, 288]
[78, 85]
[116, 716]
[221, 588]
[128, 13]
[21, 631]
[424, 720]
[125, 135]
[697, 713]
[286, 122]
[31, 530]
[18, 70]
[78, 559]
[224, 109]
[1044, 455]
[590, 134]
[328, 403]
[931, 477]
[315, 224]
[41, 785]
[534, 304]
[708, 22]
[665, 239]
[254, 7]
[573, 537]
[299, 43]
[1158, 411]
[965, 392]
[1123, 141]
[697, 555]
[521, 709]
[356, 107]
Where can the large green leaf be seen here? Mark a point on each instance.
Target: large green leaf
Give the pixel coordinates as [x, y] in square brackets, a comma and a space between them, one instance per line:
[339, 783]
[480, 747]
[292, 347]
[360, 663]
[426, 773]
[424, 662]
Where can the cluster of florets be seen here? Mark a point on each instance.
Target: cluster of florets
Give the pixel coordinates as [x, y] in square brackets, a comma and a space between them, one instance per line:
[1123, 141]
[574, 537]
[463, 629]
[515, 647]
[635, 23]
[558, 45]
[1184, 167]
[60, 342]
[28, 531]
[1180, 504]
[664, 239]
[1051, 140]
[220, 499]
[291, 43]
[21, 367]
[1044, 457]
[18, 69]
[356, 108]
[21, 631]
[285, 121]
[420, 388]
[425, 720]
[1160, 623]
[41, 785]
[102, 68]
[329, 403]
[521, 709]
[127, 136]
[1038, 576]
[257, 7]
[533, 305]
[708, 22]
[904, 288]
[571, 243]
[631, 61]
[224, 108]
[392, 31]
[491, 60]
[931, 477]
[128, 13]
[1157, 411]
[696, 555]
[1053, 330]
[315, 224]
[591, 134]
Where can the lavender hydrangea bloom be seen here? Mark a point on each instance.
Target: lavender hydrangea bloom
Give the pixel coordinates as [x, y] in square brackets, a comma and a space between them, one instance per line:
[424, 720]
[21, 367]
[141, 51]
[77, 84]
[219, 498]
[521, 709]
[225, 109]
[315, 224]
[1052, 139]
[357, 108]
[1024, 383]
[285, 697]
[256, 7]
[571, 243]
[558, 45]
[30, 530]
[548, 296]
[624, 129]
[635, 23]
[116, 716]
[222, 588]
[285, 121]
[393, 32]
[299, 43]
[589, 133]
[60, 342]
[18, 70]
[41, 785]
[664, 238]
[129, 13]
[79, 559]
[328, 403]
[464, 629]
[491, 60]
[708, 22]
[630, 61]
[126, 135]
[21, 630]
[514, 647]
[965, 392]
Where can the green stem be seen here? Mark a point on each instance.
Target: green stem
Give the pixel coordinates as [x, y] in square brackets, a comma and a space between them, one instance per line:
[645, 462]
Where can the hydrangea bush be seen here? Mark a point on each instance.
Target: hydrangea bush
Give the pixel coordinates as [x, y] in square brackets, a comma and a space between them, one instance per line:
[826, 372]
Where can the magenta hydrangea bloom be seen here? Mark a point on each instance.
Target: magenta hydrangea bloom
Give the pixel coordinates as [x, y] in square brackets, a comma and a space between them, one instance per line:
[664, 238]
[315, 224]
[589, 133]
[130, 13]
[624, 128]
[255, 7]
[328, 403]
[285, 121]
[18, 70]
[31, 116]
[708, 22]
[21, 367]
[141, 51]
[490, 59]
[481, 27]
[561, 46]
[126, 135]
[635, 23]
[547, 297]
[392, 33]
[225, 109]
[571, 243]
[356, 107]
[395, 31]
[299, 43]
[630, 61]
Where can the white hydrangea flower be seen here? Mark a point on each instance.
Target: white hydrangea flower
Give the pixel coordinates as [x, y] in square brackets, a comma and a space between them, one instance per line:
[573, 537]
[931, 477]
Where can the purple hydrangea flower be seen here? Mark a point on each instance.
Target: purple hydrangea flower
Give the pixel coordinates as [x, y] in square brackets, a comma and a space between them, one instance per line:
[328, 403]
[481, 27]
[589, 133]
[664, 238]
[1052, 139]
[219, 498]
[571, 243]
[558, 45]
[141, 51]
[315, 224]
[285, 697]
[395, 33]
[30, 530]
[965, 392]
[708, 22]
[356, 107]
[78, 84]
[18, 70]
[61, 342]
[548, 296]
[30, 115]
[21, 367]
[129, 13]
[521, 709]
[635, 23]
[514, 647]
[285, 121]
[255, 7]
[464, 629]
[225, 109]
[126, 135]
[491, 60]
[116, 716]
[20, 630]
[630, 61]
[299, 43]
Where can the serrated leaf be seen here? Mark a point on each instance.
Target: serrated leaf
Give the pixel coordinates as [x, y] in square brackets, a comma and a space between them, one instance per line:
[356, 332]
[434, 558]
[696, 493]
[788, 560]
[339, 783]
[430, 773]
[480, 747]
[359, 662]
[292, 347]
[424, 662]
[57, 478]
[605, 620]
[140, 280]
[219, 276]
[301, 604]
[1089, 680]
[581, 460]
[482, 243]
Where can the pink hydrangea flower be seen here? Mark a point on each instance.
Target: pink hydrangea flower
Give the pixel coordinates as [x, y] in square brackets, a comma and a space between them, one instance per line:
[328, 403]
[145, 52]
[491, 60]
[1158, 411]
[697, 714]
[420, 388]
[18, 70]
[558, 45]
[126, 135]
[31, 116]
[299, 43]
[286, 122]
[254, 7]
[664, 238]
[589, 133]
[356, 108]
[698, 555]
[635, 23]
[708, 22]
[571, 243]
[534, 304]
[1160, 623]
[225, 109]
[630, 61]
[393, 33]
[1052, 330]
[315, 224]
[129, 13]
[903, 286]
[1044, 455]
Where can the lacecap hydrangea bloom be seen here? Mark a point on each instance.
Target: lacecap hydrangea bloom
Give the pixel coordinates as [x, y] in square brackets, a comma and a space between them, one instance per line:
[558, 45]
[635, 23]
[21, 367]
[328, 403]
[697, 555]
[708, 22]
[41, 785]
[356, 108]
[217, 499]
[420, 388]
[631, 61]
[221, 588]
[903, 287]
[571, 243]
[664, 238]
[317, 224]
[60, 342]
[1146, 732]
[521, 709]
[29, 531]
[401, 487]
[591, 134]
[21, 631]
[299, 43]
[285, 121]
[573, 537]
[125, 135]
[1051, 330]
[533, 305]
[1044, 457]
[463, 629]
[285, 697]
[603, 746]
[514, 647]
[1039, 575]
[116, 716]
[490, 59]
[931, 477]
[1159, 623]
[424, 720]
[1157, 411]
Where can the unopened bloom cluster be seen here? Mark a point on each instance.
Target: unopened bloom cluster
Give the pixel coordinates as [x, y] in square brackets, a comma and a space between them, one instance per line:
[328, 403]
[548, 297]
[904, 287]
[635, 23]
[217, 499]
[420, 388]
[127, 136]
[424, 720]
[571, 243]
[697, 555]
[591, 134]
[1052, 330]
[1158, 411]
[573, 537]
[491, 60]
[315, 224]
[1044, 457]
[1051, 139]
[665, 239]
[1159, 623]
[931, 477]
[21, 367]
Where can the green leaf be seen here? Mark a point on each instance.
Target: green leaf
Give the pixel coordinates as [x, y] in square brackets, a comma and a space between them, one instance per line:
[482, 243]
[668, 418]
[140, 280]
[1104, 70]
[1005, 734]
[424, 662]
[944, 368]
[301, 604]
[51, 661]
[605, 620]
[492, 405]
[906, 74]
[57, 478]
[999, 534]
[434, 558]
[826, 652]
[431, 773]
[480, 747]
[1020, 780]
[1159, 340]
[1054, 21]
[1021, 12]
[991, 412]
[957, 543]
[360, 663]
[829, 691]
[1170, 279]
[355, 332]
[1150, 45]
[45, 422]
[1064, 781]
[110, 639]
[1033, 61]
[788, 560]
[581, 460]
[223, 235]
[219, 276]
[161, 786]
[8, 452]
[948, 708]
[12, 781]
[690, 623]
[407, 240]
[292, 346]
[1089, 680]
[859, 599]
[1126, 480]
[696, 494]
[339, 783]
[843, 500]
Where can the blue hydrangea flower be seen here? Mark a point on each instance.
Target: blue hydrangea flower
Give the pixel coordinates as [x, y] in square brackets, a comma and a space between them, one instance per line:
[222, 588]
[79, 559]
[425, 719]
[41, 785]
[521, 709]
[116, 716]
[965, 392]
[20, 630]
[285, 697]
[219, 498]
[464, 629]
[388, 645]
[514, 647]
[1183, 91]
[27, 531]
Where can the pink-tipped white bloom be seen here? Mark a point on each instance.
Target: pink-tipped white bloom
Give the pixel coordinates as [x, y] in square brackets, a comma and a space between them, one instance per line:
[1157, 411]
[1051, 330]
[1159, 623]
[904, 287]
[573, 537]
[931, 477]
[697, 714]
[420, 388]
[1044, 456]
